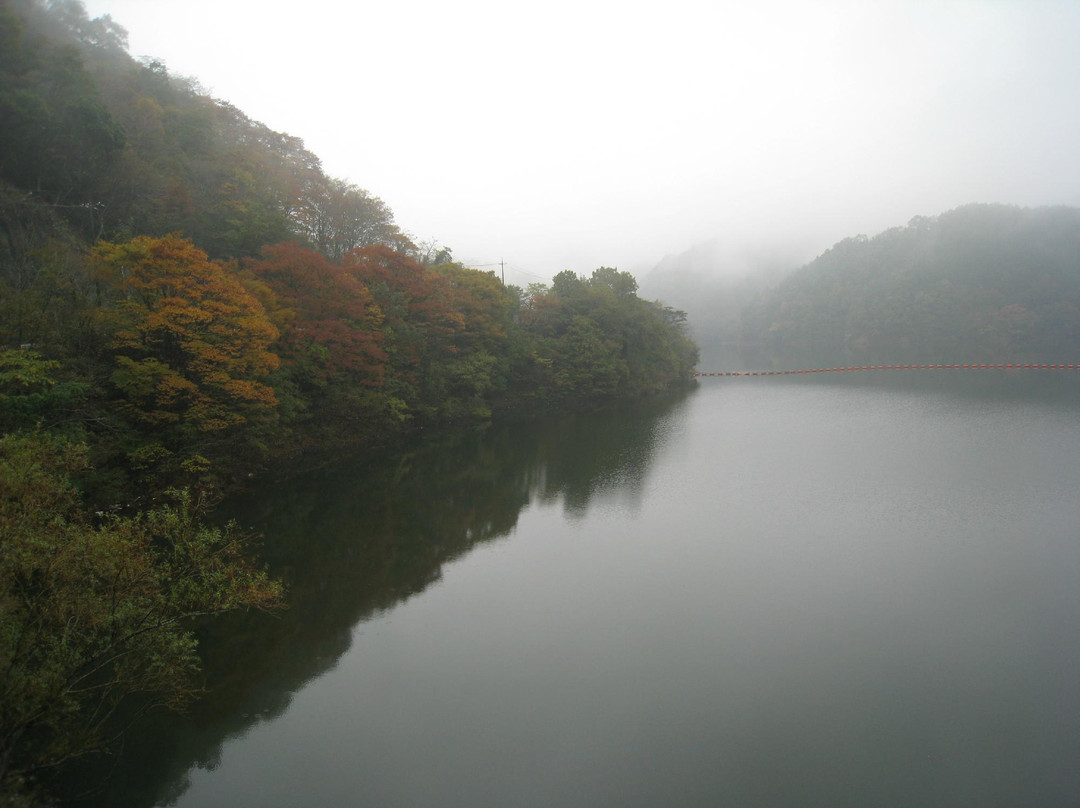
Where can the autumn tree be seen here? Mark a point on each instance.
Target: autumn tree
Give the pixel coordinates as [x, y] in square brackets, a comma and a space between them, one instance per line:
[420, 322]
[331, 341]
[322, 308]
[336, 216]
[192, 345]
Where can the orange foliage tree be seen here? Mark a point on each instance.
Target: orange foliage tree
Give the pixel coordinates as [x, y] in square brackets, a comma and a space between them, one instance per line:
[324, 313]
[331, 384]
[192, 345]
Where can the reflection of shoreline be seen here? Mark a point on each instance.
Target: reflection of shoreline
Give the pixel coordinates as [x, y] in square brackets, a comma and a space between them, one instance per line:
[358, 538]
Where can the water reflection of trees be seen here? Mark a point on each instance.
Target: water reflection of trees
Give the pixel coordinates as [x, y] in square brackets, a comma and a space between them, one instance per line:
[596, 453]
[355, 539]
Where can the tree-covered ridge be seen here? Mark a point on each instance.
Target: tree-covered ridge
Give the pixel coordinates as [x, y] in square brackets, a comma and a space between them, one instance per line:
[979, 283]
[187, 301]
[218, 302]
[117, 148]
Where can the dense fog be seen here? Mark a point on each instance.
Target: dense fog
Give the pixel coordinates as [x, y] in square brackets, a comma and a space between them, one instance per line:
[577, 135]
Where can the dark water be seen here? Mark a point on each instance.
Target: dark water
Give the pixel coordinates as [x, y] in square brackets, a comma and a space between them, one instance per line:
[790, 592]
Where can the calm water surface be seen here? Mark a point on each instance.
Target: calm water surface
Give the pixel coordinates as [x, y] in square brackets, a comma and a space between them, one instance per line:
[767, 593]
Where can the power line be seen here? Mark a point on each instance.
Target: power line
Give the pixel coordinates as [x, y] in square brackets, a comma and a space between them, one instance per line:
[521, 271]
[501, 265]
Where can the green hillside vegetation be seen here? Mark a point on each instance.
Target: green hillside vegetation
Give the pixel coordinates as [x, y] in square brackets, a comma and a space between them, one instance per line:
[982, 283]
[204, 296]
[187, 302]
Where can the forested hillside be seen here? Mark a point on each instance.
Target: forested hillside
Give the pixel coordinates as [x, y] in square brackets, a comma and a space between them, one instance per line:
[185, 286]
[187, 302]
[982, 283]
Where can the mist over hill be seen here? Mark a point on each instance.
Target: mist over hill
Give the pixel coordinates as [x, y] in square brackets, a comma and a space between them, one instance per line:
[714, 282]
[983, 282]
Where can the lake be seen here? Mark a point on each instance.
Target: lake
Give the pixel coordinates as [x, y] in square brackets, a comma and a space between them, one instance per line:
[844, 591]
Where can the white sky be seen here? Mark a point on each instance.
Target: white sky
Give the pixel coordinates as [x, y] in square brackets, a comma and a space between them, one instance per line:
[569, 135]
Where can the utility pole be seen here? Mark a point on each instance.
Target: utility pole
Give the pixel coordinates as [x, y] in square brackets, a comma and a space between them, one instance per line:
[501, 265]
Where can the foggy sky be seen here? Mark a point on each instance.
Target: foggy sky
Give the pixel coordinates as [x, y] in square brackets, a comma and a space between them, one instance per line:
[569, 135]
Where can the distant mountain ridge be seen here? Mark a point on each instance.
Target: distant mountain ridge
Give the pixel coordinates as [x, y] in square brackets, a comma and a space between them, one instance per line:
[979, 283]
